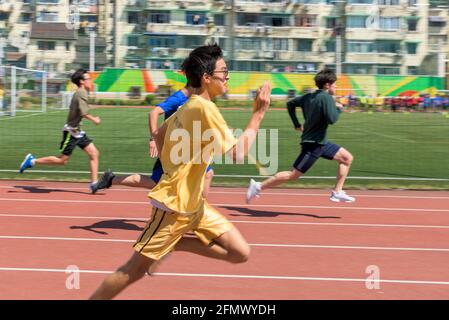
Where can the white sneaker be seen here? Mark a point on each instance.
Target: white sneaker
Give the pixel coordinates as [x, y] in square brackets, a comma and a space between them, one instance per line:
[253, 190]
[341, 196]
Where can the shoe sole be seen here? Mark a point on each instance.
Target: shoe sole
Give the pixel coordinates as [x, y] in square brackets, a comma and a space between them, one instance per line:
[338, 200]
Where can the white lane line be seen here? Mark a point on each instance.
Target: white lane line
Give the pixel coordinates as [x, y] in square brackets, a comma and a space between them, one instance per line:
[245, 176]
[145, 191]
[145, 219]
[251, 244]
[233, 276]
[233, 205]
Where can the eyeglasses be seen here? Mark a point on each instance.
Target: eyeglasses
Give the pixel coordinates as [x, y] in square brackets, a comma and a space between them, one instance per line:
[225, 72]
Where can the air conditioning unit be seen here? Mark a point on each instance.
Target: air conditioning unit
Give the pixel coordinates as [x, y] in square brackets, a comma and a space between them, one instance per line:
[268, 30]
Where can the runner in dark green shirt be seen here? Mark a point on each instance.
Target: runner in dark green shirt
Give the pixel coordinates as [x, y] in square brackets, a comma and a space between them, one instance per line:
[72, 135]
[319, 110]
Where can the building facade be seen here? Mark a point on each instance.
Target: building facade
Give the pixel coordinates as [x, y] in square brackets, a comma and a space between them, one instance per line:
[391, 37]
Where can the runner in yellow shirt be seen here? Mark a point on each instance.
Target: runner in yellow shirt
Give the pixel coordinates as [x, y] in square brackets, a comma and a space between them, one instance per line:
[187, 141]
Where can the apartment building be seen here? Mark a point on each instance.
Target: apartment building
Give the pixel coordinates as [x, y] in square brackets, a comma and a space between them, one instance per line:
[376, 36]
[45, 34]
[406, 37]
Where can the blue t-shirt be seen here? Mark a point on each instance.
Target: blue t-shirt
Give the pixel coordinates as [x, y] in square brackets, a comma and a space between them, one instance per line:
[172, 103]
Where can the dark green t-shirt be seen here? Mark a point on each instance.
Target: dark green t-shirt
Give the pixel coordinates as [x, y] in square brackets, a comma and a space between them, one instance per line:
[78, 109]
[319, 110]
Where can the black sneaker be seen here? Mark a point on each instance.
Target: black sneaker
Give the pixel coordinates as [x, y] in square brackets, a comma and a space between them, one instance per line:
[105, 181]
[93, 187]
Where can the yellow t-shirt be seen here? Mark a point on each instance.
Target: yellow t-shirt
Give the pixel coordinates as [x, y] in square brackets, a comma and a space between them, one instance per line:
[194, 134]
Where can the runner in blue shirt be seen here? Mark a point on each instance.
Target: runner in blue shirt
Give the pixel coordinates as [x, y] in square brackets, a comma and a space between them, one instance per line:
[167, 108]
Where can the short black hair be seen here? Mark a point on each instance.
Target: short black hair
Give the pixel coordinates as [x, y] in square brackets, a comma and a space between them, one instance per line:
[325, 76]
[200, 61]
[77, 76]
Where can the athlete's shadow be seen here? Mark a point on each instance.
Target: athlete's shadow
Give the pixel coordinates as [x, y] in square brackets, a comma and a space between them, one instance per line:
[263, 213]
[37, 189]
[122, 224]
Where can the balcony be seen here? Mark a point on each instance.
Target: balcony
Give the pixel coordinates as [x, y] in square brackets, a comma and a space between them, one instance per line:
[438, 30]
[135, 5]
[6, 6]
[84, 57]
[177, 28]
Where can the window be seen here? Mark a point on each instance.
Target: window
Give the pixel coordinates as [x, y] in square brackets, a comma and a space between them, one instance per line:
[276, 20]
[412, 70]
[412, 2]
[388, 70]
[161, 41]
[160, 64]
[244, 18]
[248, 44]
[25, 17]
[388, 46]
[248, 66]
[389, 2]
[357, 21]
[412, 24]
[434, 22]
[331, 23]
[389, 23]
[360, 46]
[308, 1]
[47, 1]
[330, 45]
[67, 46]
[133, 41]
[4, 16]
[412, 47]
[305, 45]
[159, 17]
[306, 20]
[195, 18]
[92, 18]
[46, 45]
[360, 1]
[219, 19]
[47, 17]
[280, 44]
[133, 17]
[358, 68]
[191, 41]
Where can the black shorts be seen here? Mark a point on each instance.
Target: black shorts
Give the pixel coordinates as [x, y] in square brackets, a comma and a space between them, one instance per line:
[311, 152]
[69, 143]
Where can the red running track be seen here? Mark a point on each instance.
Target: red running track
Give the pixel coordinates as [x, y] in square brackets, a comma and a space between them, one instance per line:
[303, 245]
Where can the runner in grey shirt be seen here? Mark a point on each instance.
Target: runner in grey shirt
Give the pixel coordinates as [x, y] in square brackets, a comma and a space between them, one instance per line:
[72, 135]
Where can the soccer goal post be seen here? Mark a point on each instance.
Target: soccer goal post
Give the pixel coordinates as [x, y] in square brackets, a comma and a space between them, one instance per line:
[24, 90]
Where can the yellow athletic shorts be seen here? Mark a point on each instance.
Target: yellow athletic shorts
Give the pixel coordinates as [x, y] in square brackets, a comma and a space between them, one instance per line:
[165, 229]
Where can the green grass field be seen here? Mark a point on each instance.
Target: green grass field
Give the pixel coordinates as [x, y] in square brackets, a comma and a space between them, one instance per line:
[401, 146]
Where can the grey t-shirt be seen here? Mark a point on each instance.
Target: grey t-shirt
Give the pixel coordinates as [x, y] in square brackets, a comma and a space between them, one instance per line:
[78, 109]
